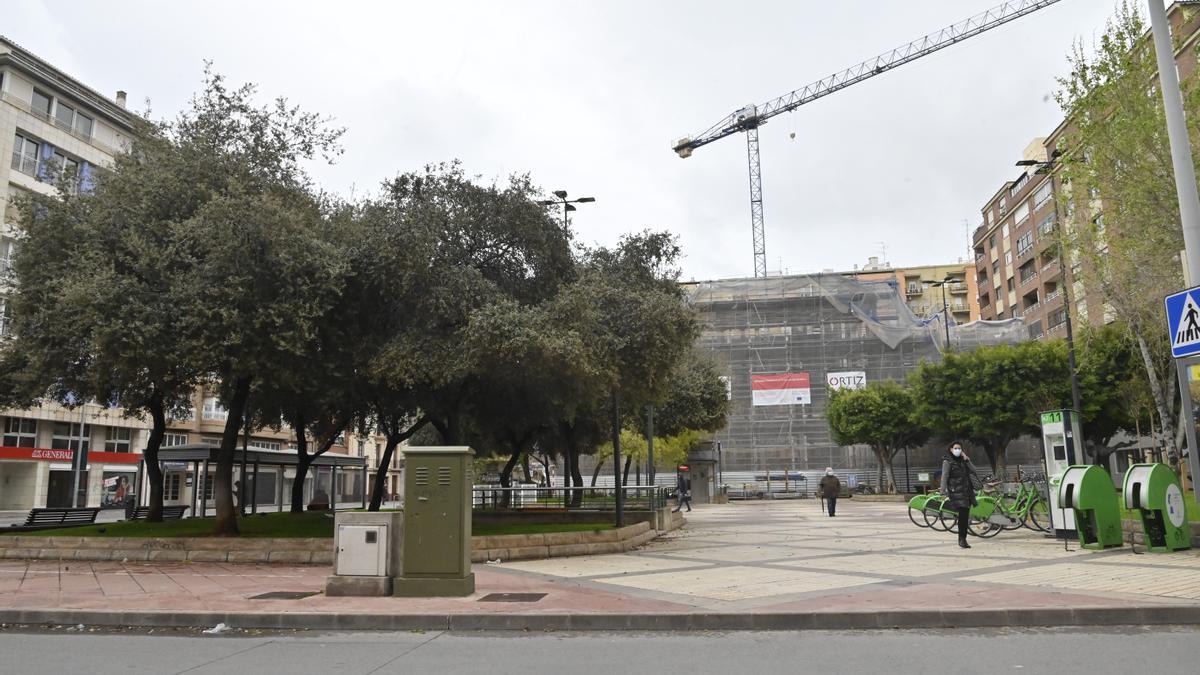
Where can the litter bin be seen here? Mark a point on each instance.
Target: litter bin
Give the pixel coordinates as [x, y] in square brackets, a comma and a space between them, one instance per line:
[1153, 491]
[1089, 491]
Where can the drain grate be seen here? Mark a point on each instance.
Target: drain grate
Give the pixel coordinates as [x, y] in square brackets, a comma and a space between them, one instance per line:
[512, 597]
[283, 595]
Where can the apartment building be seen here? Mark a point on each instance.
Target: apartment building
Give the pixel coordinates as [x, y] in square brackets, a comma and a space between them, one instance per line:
[922, 287]
[1019, 269]
[54, 126]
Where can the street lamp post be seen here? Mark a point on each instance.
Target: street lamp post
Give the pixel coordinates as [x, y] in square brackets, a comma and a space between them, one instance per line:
[945, 307]
[568, 205]
[1076, 398]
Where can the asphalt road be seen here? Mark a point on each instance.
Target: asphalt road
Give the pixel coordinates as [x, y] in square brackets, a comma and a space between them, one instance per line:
[1120, 650]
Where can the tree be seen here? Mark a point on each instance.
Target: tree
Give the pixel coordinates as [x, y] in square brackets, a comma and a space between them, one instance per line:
[1122, 220]
[992, 395]
[1112, 380]
[260, 275]
[882, 415]
[97, 306]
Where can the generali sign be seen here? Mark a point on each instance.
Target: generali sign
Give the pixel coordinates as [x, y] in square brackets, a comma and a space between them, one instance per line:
[48, 455]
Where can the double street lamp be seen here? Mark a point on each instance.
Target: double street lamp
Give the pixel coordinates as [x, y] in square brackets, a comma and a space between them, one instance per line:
[567, 204]
[945, 307]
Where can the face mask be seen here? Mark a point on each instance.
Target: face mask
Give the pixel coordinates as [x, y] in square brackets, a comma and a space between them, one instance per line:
[957, 452]
[828, 473]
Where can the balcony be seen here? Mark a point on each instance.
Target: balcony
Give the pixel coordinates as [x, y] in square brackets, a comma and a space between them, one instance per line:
[24, 106]
[1053, 294]
[914, 289]
[1032, 307]
[1026, 278]
[957, 287]
[1046, 227]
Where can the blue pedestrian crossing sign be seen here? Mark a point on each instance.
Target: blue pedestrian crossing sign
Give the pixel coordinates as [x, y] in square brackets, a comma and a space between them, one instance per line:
[1183, 321]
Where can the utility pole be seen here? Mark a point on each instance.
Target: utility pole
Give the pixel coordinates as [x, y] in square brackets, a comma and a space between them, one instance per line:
[1181, 151]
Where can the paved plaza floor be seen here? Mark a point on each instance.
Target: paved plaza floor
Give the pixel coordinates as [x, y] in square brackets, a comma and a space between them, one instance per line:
[753, 557]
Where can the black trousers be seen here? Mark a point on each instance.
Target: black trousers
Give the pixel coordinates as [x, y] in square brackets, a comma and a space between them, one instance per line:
[831, 504]
[964, 521]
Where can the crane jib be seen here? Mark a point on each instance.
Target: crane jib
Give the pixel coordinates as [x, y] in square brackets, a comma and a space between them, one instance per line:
[750, 117]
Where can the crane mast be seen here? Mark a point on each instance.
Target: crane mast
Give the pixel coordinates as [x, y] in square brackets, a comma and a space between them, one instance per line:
[749, 118]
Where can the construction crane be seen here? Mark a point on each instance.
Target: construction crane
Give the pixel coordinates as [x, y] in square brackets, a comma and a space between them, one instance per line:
[751, 117]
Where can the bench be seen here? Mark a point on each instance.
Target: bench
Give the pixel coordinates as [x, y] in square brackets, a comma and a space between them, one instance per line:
[50, 518]
[168, 512]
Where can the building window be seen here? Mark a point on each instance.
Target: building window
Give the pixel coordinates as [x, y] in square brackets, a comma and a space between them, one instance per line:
[362, 448]
[8, 252]
[1047, 225]
[68, 437]
[263, 445]
[1003, 205]
[19, 432]
[1008, 257]
[1004, 232]
[1021, 213]
[64, 116]
[1099, 222]
[214, 411]
[59, 166]
[171, 440]
[1043, 194]
[118, 439]
[25, 155]
[171, 485]
[40, 104]
[1057, 318]
[1025, 243]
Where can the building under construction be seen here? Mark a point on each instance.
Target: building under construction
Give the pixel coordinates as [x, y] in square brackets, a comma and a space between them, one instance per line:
[785, 342]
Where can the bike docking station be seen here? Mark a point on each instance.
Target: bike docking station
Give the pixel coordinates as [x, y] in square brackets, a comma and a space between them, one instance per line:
[1153, 491]
[1061, 442]
[1088, 491]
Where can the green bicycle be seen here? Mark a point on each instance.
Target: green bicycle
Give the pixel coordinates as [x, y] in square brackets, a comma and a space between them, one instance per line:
[1027, 507]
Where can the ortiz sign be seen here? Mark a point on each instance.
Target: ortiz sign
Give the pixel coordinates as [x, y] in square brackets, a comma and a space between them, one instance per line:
[851, 380]
[47, 455]
[781, 389]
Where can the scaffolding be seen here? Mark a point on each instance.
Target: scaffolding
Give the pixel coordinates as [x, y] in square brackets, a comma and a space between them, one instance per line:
[807, 329]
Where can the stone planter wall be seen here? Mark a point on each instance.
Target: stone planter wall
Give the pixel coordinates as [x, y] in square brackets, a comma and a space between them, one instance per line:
[317, 551]
[1134, 527]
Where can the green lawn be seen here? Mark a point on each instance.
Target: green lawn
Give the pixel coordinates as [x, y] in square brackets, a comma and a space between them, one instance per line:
[314, 524]
[288, 525]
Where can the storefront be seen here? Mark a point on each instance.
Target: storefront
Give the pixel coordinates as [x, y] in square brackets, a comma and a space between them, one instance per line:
[40, 477]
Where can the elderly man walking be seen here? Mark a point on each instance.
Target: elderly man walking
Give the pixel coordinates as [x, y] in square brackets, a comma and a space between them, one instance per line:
[828, 489]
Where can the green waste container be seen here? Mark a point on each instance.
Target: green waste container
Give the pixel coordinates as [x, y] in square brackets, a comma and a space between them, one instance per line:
[1089, 491]
[1153, 491]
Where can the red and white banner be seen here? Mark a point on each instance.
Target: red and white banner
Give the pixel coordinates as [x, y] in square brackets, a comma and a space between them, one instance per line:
[48, 455]
[781, 389]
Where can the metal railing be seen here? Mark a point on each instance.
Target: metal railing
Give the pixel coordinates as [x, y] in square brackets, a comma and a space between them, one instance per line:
[538, 498]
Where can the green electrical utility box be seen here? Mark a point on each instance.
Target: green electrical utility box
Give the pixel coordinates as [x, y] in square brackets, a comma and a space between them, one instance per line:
[1089, 491]
[1153, 491]
[437, 523]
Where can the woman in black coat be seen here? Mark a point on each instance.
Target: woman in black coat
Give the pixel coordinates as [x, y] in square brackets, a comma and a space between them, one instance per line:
[959, 479]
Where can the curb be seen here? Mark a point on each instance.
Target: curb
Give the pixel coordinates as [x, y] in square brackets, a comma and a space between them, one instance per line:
[894, 619]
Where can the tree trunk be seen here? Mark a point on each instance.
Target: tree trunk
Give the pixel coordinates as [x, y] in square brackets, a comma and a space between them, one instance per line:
[1166, 418]
[625, 473]
[225, 524]
[596, 472]
[302, 462]
[154, 474]
[395, 436]
[381, 474]
[525, 468]
[506, 476]
[889, 473]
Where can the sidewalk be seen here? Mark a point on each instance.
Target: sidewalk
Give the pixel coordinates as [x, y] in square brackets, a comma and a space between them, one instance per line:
[749, 565]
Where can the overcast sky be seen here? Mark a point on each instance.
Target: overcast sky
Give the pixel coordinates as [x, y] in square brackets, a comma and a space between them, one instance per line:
[589, 97]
